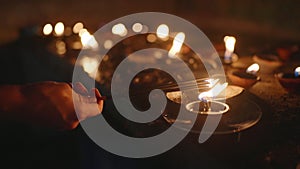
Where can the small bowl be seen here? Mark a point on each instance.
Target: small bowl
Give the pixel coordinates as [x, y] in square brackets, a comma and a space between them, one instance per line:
[268, 63]
[243, 79]
[289, 82]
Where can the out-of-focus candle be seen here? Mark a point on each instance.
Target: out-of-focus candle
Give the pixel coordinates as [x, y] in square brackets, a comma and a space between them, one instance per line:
[297, 72]
[177, 44]
[47, 30]
[59, 29]
[162, 31]
[253, 69]
[229, 44]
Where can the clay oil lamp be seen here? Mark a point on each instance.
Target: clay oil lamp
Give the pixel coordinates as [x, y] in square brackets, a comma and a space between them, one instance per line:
[290, 81]
[245, 79]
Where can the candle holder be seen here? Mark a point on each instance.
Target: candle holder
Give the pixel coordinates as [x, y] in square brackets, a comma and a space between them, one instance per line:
[209, 107]
[243, 79]
[289, 82]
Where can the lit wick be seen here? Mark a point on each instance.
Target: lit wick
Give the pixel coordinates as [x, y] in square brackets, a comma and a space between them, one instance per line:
[297, 72]
[206, 97]
[229, 44]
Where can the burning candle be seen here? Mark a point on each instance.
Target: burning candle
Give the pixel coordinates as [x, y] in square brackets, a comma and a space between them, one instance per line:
[229, 44]
[163, 32]
[47, 29]
[253, 69]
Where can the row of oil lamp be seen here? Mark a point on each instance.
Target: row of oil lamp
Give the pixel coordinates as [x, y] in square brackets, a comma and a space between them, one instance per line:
[247, 78]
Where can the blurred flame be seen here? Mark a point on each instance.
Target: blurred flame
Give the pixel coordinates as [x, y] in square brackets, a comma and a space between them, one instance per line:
[59, 28]
[87, 40]
[137, 27]
[177, 44]
[60, 47]
[297, 72]
[212, 82]
[108, 44]
[77, 27]
[119, 29]
[90, 65]
[47, 30]
[253, 69]
[213, 92]
[229, 44]
[162, 31]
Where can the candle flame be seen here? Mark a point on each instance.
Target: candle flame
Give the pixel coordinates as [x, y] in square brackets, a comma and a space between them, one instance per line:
[229, 43]
[89, 65]
[47, 30]
[77, 27]
[177, 44]
[162, 31]
[213, 92]
[88, 40]
[297, 71]
[59, 29]
[119, 29]
[253, 69]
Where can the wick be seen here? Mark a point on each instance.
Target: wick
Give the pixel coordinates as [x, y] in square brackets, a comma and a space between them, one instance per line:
[207, 104]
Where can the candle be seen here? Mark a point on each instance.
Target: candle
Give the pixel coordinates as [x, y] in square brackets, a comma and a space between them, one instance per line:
[297, 72]
[177, 44]
[229, 44]
[47, 29]
[245, 78]
[59, 29]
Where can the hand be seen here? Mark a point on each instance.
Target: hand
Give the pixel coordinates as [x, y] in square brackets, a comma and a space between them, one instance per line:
[51, 104]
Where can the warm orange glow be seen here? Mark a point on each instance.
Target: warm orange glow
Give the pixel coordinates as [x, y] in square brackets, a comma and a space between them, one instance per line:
[163, 31]
[151, 38]
[77, 27]
[47, 30]
[229, 44]
[253, 69]
[61, 47]
[177, 44]
[59, 29]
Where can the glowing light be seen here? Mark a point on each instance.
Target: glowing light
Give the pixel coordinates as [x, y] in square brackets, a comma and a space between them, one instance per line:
[229, 44]
[108, 44]
[77, 27]
[47, 30]
[87, 40]
[253, 69]
[212, 82]
[151, 38]
[137, 27]
[215, 91]
[119, 29]
[60, 47]
[59, 29]
[162, 31]
[90, 65]
[177, 44]
[297, 72]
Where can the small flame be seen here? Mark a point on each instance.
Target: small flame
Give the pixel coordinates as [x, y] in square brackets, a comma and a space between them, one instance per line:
[59, 29]
[77, 27]
[177, 44]
[297, 72]
[162, 31]
[137, 27]
[229, 44]
[47, 30]
[90, 65]
[253, 69]
[119, 29]
[213, 92]
[88, 40]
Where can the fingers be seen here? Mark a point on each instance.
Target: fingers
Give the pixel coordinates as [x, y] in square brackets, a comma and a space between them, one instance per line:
[80, 89]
